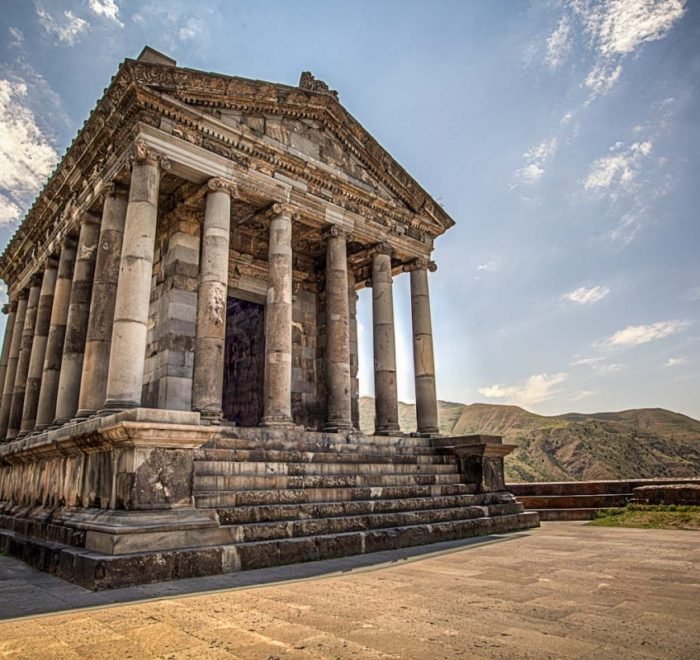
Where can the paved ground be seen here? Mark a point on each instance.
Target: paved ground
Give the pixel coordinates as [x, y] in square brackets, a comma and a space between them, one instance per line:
[561, 591]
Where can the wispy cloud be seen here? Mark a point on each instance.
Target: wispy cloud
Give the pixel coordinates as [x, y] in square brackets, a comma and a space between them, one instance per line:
[583, 394]
[537, 388]
[634, 335]
[66, 29]
[26, 153]
[617, 171]
[674, 362]
[535, 159]
[490, 266]
[17, 37]
[108, 9]
[587, 361]
[559, 44]
[584, 296]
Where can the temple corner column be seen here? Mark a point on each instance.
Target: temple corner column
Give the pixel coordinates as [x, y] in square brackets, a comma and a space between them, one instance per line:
[13, 332]
[212, 295]
[423, 354]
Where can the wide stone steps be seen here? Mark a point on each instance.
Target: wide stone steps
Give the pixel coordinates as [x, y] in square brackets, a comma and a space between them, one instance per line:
[296, 469]
[261, 554]
[229, 498]
[290, 512]
[340, 525]
[331, 445]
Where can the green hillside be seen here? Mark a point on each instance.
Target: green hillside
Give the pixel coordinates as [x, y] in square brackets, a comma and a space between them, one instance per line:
[644, 443]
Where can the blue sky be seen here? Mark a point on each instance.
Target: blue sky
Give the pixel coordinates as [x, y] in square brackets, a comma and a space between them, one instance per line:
[562, 137]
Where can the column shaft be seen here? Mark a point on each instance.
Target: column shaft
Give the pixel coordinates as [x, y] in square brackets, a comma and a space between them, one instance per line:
[93, 386]
[23, 360]
[13, 356]
[53, 358]
[208, 378]
[128, 351]
[423, 359]
[36, 362]
[11, 310]
[354, 351]
[385, 390]
[338, 385]
[278, 322]
[76, 324]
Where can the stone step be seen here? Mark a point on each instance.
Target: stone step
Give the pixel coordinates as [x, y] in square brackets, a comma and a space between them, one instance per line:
[337, 445]
[262, 554]
[216, 499]
[277, 512]
[342, 524]
[231, 468]
[314, 481]
[320, 456]
[537, 502]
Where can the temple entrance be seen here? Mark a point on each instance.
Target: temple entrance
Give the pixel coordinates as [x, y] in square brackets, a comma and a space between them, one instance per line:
[244, 357]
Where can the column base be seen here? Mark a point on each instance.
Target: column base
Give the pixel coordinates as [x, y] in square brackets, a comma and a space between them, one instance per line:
[84, 414]
[278, 422]
[115, 405]
[338, 427]
[426, 433]
[389, 431]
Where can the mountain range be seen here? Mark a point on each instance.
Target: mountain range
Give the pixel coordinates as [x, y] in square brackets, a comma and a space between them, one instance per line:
[641, 443]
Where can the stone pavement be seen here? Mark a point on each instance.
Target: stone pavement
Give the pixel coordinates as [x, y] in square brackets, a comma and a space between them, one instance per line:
[560, 591]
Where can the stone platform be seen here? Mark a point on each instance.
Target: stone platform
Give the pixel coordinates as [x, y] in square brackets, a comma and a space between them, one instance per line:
[144, 496]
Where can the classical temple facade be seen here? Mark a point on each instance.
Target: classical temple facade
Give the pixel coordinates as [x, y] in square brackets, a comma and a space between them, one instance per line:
[179, 367]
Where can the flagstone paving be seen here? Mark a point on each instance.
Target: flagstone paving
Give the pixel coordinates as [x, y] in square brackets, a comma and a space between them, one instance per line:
[563, 590]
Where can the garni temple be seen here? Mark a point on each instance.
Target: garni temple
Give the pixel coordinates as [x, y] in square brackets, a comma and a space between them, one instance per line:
[179, 367]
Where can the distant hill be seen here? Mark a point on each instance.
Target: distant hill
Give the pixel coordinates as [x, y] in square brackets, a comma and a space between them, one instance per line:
[644, 443]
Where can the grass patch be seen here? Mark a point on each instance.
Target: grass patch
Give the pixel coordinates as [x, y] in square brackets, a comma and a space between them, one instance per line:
[659, 516]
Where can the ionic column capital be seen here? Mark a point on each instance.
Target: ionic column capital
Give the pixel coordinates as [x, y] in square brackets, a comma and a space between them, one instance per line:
[335, 231]
[10, 307]
[143, 153]
[381, 248]
[420, 263]
[219, 184]
[114, 189]
[35, 279]
[281, 208]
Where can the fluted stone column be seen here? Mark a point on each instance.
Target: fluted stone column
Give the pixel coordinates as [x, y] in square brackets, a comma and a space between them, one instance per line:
[24, 357]
[93, 385]
[41, 334]
[385, 389]
[354, 350]
[20, 308]
[10, 309]
[128, 351]
[423, 359]
[76, 324]
[46, 409]
[278, 321]
[338, 385]
[208, 377]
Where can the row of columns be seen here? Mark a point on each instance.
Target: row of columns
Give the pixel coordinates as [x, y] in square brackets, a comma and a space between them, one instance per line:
[76, 339]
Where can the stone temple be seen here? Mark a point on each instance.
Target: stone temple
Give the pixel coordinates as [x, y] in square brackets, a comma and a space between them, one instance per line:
[179, 369]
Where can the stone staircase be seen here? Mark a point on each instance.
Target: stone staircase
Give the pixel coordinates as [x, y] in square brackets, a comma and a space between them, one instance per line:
[284, 497]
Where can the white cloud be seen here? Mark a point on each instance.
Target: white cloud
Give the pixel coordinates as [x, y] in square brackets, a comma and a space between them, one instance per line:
[674, 362]
[602, 78]
[67, 30]
[535, 389]
[618, 170]
[535, 158]
[628, 226]
[583, 296]
[107, 8]
[605, 369]
[192, 28]
[583, 394]
[26, 154]
[491, 266]
[559, 44]
[587, 361]
[619, 27]
[17, 37]
[634, 335]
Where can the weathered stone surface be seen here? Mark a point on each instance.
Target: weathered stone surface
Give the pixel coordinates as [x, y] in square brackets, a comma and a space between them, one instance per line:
[10, 375]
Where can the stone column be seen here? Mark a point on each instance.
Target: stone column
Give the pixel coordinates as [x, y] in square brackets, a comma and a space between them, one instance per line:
[76, 324]
[208, 378]
[338, 385]
[354, 350]
[278, 321]
[10, 309]
[46, 410]
[128, 351]
[23, 360]
[423, 360]
[93, 385]
[36, 362]
[17, 312]
[385, 390]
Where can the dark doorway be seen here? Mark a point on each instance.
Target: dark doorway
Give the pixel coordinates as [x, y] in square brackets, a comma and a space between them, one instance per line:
[245, 362]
